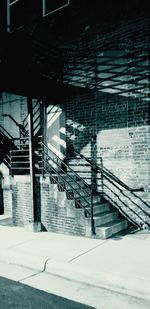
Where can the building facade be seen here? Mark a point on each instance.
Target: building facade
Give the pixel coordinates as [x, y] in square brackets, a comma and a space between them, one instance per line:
[82, 149]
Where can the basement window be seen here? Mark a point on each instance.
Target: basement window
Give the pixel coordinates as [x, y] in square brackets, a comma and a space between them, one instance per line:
[51, 6]
[15, 14]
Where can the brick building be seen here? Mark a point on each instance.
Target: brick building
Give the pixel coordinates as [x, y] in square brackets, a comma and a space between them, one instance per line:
[75, 116]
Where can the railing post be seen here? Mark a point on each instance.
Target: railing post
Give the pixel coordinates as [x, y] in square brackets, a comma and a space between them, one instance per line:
[41, 154]
[35, 218]
[92, 220]
[102, 176]
[11, 172]
[42, 157]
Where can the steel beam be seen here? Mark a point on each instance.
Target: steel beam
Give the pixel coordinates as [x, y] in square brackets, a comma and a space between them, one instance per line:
[32, 165]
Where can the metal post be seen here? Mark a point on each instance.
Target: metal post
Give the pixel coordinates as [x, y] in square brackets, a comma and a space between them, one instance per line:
[31, 158]
[102, 177]
[43, 131]
[92, 220]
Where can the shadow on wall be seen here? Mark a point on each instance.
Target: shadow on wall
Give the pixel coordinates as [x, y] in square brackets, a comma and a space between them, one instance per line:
[117, 127]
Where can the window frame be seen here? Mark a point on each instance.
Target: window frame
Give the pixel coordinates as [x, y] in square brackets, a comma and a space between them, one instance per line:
[9, 5]
[44, 8]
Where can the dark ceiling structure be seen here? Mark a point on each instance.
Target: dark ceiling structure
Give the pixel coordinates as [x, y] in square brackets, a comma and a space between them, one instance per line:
[49, 56]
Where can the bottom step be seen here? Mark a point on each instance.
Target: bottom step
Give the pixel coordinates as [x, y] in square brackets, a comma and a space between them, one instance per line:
[108, 229]
[6, 220]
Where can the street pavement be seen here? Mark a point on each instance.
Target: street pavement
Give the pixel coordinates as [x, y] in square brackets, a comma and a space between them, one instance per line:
[117, 265]
[17, 295]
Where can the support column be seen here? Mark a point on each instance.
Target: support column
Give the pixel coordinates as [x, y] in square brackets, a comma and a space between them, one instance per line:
[35, 224]
[43, 122]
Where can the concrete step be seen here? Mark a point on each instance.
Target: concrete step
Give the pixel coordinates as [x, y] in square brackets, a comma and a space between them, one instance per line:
[6, 220]
[80, 192]
[77, 187]
[75, 184]
[143, 195]
[60, 177]
[99, 208]
[105, 231]
[105, 217]
[147, 201]
[70, 176]
[86, 200]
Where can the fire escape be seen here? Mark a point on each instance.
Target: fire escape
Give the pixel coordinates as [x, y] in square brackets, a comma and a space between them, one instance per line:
[46, 71]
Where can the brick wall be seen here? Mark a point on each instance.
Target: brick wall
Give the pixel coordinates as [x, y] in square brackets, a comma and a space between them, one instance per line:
[122, 135]
[6, 187]
[120, 122]
[21, 201]
[57, 213]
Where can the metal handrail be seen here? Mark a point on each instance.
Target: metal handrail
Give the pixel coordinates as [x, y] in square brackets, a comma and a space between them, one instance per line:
[22, 129]
[116, 182]
[3, 130]
[61, 169]
[108, 173]
[66, 181]
[88, 204]
[64, 164]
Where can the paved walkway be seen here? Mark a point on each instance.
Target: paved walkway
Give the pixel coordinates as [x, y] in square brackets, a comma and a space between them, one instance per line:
[121, 264]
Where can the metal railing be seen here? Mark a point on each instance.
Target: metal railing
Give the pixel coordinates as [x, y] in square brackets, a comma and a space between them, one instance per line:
[4, 153]
[120, 195]
[19, 157]
[65, 177]
[4, 132]
[22, 131]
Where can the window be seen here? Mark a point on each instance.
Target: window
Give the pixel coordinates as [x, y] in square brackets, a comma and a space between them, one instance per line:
[51, 6]
[15, 14]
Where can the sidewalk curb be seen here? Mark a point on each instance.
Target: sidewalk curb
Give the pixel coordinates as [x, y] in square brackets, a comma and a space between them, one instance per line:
[138, 287]
[32, 262]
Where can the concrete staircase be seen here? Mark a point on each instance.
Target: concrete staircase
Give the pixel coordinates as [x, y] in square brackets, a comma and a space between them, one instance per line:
[106, 219]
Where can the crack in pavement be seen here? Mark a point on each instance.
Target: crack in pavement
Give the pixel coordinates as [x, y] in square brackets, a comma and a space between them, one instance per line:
[81, 254]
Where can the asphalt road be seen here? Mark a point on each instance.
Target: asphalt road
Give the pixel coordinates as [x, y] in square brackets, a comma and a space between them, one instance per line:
[16, 295]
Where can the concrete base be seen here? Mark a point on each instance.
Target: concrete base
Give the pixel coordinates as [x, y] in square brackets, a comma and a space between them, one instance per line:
[34, 227]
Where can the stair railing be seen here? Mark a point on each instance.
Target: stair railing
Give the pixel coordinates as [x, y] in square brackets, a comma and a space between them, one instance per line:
[5, 132]
[22, 131]
[137, 218]
[51, 164]
[6, 155]
[19, 157]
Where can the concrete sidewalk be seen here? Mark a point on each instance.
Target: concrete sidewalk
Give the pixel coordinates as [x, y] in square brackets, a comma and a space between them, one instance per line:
[120, 264]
